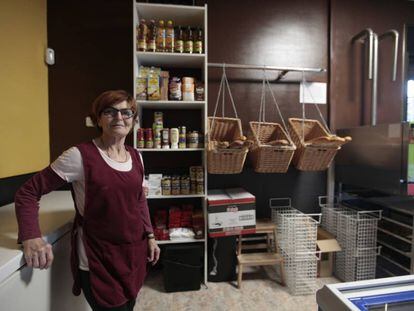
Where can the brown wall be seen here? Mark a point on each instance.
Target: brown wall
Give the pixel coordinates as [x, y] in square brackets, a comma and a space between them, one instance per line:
[278, 33]
[93, 44]
[350, 90]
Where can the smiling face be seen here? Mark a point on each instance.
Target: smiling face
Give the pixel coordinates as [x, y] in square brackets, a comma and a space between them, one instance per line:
[116, 122]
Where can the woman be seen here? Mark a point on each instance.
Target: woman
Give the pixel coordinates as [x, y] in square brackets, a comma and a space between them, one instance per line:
[112, 237]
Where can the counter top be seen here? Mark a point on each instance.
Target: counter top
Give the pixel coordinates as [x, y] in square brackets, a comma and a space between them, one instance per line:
[55, 216]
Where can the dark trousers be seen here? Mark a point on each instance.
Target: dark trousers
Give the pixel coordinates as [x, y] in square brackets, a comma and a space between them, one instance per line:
[86, 288]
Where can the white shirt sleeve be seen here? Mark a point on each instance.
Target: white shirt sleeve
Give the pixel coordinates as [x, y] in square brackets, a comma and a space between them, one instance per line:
[144, 181]
[69, 165]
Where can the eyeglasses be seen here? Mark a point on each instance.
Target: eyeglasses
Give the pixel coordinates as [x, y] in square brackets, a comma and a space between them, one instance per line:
[113, 112]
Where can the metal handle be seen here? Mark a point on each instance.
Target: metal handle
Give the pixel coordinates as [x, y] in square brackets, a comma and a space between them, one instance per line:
[367, 33]
[394, 34]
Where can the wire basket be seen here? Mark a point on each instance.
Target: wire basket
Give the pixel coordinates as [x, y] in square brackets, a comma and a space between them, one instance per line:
[309, 157]
[224, 161]
[267, 158]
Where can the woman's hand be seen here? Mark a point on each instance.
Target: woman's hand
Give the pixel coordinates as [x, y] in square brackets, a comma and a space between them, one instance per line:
[153, 251]
[38, 253]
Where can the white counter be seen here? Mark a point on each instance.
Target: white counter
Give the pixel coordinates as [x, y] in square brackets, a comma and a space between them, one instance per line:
[55, 215]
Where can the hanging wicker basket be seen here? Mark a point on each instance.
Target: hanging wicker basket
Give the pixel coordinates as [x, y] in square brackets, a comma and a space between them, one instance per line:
[224, 161]
[273, 149]
[315, 151]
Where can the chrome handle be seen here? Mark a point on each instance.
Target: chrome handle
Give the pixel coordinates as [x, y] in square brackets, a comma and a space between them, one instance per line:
[367, 33]
[394, 34]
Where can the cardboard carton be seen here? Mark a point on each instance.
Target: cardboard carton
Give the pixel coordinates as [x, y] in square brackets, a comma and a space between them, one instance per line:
[328, 245]
[231, 212]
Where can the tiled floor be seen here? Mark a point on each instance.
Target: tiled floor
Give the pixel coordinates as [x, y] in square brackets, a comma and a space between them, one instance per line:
[260, 291]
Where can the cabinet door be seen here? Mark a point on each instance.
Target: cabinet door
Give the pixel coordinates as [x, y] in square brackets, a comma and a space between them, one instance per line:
[93, 44]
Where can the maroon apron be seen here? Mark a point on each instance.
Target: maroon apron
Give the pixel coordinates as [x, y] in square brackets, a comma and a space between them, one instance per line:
[113, 231]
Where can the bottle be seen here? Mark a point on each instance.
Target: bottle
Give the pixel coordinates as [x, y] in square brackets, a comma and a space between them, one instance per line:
[160, 40]
[142, 36]
[198, 41]
[169, 37]
[179, 40]
[152, 35]
[188, 41]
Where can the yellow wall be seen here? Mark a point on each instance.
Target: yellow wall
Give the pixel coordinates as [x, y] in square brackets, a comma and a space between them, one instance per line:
[24, 113]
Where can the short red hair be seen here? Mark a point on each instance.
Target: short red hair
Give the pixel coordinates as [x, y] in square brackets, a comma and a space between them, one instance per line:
[110, 98]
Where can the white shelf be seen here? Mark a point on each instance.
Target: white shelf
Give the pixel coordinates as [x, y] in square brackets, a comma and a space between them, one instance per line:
[170, 150]
[171, 60]
[181, 15]
[171, 104]
[161, 242]
[152, 197]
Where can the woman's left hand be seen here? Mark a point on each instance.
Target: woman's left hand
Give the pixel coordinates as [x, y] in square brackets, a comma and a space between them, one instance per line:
[153, 251]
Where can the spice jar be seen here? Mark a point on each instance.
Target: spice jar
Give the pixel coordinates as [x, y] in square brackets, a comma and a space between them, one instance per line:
[185, 185]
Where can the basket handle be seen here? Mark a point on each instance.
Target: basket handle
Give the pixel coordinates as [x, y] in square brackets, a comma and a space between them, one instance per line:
[303, 86]
[223, 83]
[278, 109]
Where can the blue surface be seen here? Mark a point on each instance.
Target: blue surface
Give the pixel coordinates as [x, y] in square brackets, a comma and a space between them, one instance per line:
[363, 303]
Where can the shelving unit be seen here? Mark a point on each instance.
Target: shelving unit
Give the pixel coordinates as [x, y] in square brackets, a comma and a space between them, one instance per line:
[195, 65]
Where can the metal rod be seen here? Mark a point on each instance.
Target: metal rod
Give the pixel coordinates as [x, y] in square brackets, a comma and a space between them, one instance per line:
[238, 66]
[394, 34]
[367, 33]
[374, 89]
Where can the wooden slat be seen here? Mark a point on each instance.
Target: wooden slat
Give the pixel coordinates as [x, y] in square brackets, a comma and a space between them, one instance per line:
[259, 259]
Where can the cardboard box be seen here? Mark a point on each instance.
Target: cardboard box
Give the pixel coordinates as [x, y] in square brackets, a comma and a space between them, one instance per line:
[328, 245]
[231, 212]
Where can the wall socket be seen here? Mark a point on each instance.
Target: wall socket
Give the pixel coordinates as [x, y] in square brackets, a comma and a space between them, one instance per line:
[88, 122]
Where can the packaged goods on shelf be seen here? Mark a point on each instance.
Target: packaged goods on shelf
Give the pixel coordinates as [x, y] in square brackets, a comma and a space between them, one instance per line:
[164, 77]
[154, 184]
[179, 40]
[188, 40]
[175, 89]
[160, 39]
[199, 91]
[188, 88]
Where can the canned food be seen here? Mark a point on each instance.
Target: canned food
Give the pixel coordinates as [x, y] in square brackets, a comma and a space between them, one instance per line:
[193, 139]
[166, 185]
[157, 140]
[175, 185]
[200, 187]
[185, 185]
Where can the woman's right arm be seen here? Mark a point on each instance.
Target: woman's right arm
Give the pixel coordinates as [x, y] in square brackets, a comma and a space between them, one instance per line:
[37, 252]
[67, 168]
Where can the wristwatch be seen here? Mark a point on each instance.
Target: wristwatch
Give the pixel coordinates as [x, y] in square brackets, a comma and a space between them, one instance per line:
[150, 236]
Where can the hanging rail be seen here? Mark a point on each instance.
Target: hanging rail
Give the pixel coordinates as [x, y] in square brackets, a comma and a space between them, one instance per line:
[283, 70]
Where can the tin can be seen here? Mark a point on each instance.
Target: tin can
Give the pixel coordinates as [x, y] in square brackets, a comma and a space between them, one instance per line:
[199, 92]
[193, 139]
[165, 139]
[166, 185]
[199, 173]
[185, 185]
[193, 186]
[175, 185]
[182, 139]
[200, 187]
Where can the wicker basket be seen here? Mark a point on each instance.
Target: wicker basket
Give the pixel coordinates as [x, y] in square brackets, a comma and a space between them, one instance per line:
[224, 161]
[310, 157]
[266, 158]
